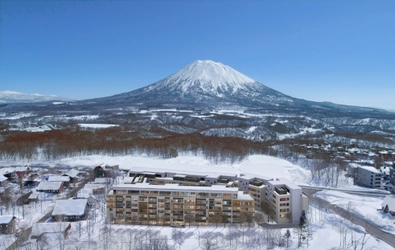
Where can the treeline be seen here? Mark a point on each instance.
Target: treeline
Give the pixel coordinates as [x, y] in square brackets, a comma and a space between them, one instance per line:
[56, 144]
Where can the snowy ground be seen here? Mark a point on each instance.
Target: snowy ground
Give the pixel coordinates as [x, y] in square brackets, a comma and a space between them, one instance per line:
[257, 165]
[363, 207]
[328, 231]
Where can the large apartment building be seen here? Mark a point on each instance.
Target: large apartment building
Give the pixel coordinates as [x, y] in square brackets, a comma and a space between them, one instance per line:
[167, 198]
[171, 204]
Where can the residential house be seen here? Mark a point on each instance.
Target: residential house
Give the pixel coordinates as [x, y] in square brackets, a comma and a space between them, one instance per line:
[70, 210]
[7, 224]
[99, 172]
[50, 187]
[73, 175]
[56, 178]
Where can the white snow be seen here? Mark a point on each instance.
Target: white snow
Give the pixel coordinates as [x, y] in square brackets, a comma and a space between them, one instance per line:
[210, 76]
[13, 97]
[96, 125]
[361, 206]
[257, 165]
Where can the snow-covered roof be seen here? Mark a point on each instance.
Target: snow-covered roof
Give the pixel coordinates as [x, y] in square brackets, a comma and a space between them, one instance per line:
[93, 186]
[70, 207]
[7, 170]
[283, 181]
[20, 169]
[40, 228]
[371, 169]
[102, 180]
[5, 219]
[388, 200]
[353, 165]
[243, 196]
[2, 178]
[58, 178]
[84, 193]
[176, 187]
[33, 196]
[73, 173]
[49, 185]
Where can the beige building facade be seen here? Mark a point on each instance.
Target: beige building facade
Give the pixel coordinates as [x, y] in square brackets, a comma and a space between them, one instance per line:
[172, 204]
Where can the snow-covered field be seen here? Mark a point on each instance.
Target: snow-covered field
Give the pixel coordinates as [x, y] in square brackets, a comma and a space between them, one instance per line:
[257, 165]
[363, 207]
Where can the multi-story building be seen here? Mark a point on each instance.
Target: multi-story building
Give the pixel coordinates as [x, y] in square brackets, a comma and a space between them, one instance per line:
[368, 176]
[286, 198]
[172, 204]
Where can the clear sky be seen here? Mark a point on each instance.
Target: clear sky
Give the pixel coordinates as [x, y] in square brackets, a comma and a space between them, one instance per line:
[338, 51]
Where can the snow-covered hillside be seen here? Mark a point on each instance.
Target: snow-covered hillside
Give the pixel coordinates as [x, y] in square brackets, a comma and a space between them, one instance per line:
[16, 97]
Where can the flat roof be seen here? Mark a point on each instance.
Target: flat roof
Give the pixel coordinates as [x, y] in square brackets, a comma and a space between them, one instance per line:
[371, 169]
[285, 182]
[175, 187]
[242, 196]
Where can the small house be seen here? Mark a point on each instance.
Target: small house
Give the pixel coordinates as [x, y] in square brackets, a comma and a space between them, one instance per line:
[70, 210]
[7, 224]
[57, 178]
[99, 172]
[33, 197]
[50, 187]
[73, 175]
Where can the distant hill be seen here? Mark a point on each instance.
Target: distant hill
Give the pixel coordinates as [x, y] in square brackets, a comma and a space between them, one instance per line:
[17, 97]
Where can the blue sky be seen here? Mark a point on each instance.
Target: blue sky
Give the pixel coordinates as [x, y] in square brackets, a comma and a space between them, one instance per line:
[338, 51]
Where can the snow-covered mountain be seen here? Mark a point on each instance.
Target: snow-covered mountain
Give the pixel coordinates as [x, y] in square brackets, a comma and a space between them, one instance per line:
[17, 97]
[204, 82]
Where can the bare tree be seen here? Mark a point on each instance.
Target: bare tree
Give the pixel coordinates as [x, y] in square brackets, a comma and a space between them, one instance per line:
[258, 217]
[189, 218]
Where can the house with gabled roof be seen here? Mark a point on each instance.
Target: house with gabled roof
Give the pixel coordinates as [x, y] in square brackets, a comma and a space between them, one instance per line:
[50, 187]
[70, 210]
[7, 224]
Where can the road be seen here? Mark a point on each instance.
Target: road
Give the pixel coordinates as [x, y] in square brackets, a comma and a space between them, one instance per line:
[370, 228]
[368, 192]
